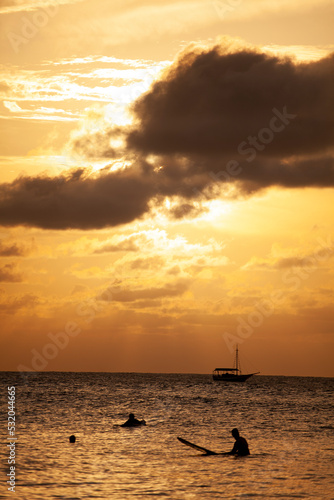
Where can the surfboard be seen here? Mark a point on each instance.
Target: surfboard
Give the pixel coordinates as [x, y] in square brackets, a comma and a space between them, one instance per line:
[198, 448]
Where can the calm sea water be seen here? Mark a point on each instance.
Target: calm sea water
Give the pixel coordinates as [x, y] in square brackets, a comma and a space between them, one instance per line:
[288, 422]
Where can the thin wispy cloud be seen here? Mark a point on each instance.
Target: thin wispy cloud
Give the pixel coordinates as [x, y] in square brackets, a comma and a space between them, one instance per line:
[13, 6]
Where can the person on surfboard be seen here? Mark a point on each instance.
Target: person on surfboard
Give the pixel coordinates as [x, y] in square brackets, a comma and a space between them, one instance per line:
[133, 422]
[240, 447]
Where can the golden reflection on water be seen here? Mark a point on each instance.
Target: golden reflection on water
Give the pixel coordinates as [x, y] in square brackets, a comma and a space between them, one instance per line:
[289, 438]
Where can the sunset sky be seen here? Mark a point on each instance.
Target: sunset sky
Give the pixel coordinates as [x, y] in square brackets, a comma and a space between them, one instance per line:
[166, 189]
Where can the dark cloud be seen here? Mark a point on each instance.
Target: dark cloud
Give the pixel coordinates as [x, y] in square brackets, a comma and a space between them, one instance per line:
[125, 245]
[98, 145]
[215, 120]
[78, 200]
[12, 250]
[75, 200]
[315, 172]
[183, 210]
[211, 101]
[154, 293]
[9, 274]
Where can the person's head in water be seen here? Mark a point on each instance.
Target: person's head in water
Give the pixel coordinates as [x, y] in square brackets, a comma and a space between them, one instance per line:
[235, 433]
[72, 439]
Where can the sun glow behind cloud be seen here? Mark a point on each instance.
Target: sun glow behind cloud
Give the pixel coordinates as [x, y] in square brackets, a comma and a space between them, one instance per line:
[91, 93]
[75, 89]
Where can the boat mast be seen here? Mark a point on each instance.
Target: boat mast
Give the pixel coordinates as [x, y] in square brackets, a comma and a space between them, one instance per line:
[237, 357]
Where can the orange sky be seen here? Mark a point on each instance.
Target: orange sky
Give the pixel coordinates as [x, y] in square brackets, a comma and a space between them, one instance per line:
[167, 186]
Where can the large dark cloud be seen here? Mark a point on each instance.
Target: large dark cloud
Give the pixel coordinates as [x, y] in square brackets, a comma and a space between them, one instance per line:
[210, 101]
[214, 120]
[75, 200]
[314, 172]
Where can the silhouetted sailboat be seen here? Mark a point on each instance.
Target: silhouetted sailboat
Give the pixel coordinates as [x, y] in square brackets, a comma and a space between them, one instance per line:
[231, 374]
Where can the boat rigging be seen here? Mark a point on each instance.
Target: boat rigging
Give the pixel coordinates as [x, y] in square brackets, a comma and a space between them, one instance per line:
[232, 374]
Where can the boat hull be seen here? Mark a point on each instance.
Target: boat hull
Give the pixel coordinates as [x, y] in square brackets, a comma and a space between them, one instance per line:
[232, 377]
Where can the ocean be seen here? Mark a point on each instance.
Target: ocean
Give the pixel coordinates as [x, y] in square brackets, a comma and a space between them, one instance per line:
[287, 421]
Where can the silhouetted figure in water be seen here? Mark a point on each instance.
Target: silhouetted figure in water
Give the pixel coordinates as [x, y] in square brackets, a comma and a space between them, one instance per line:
[133, 422]
[240, 447]
[72, 439]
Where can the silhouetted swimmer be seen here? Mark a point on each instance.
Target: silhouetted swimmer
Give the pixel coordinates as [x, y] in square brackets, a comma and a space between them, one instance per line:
[133, 422]
[72, 439]
[240, 447]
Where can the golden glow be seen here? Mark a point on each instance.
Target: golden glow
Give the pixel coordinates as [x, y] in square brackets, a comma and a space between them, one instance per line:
[189, 268]
[217, 211]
